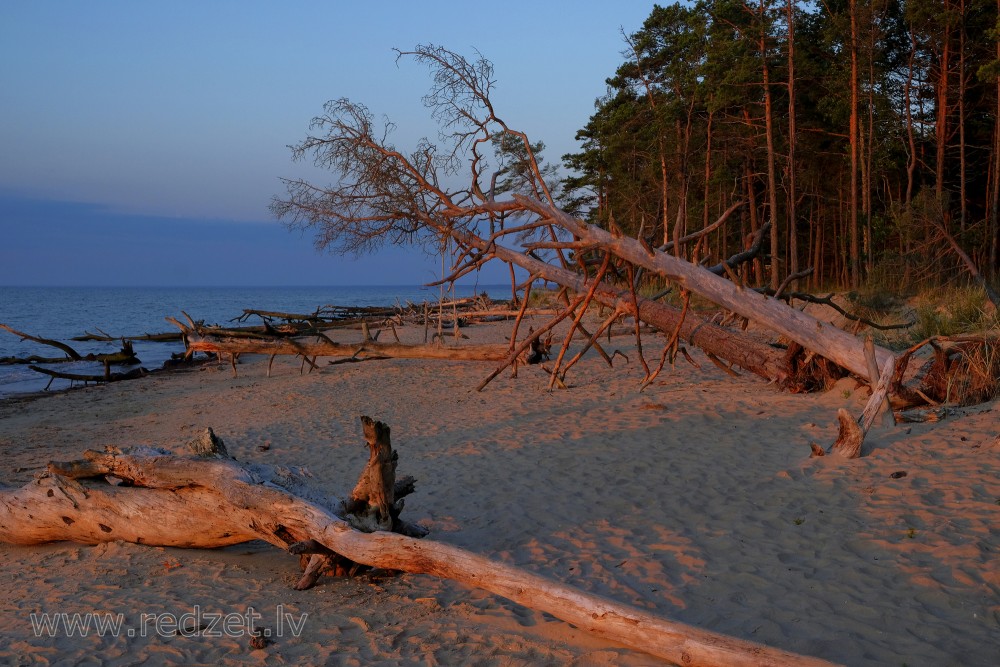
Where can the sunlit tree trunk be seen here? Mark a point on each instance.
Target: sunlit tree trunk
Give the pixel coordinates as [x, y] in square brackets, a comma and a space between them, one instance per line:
[854, 252]
[868, 165]
[911, 162]
[995, 206]
[772, 178]
[961, 116]
[941, 116]
[758, 264]
[793, 250]
[661, 148]
[708, 171]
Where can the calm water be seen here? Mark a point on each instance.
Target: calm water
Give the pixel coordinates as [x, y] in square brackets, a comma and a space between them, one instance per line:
[61, 313]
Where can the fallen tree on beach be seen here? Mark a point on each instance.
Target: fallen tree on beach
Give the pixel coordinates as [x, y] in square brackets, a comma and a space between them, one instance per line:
[206, 499]
[126, 356]
[219, 342]
[384, 196]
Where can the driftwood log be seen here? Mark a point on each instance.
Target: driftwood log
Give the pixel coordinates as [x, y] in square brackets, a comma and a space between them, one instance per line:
[327, 348]
[221, 342]
[126, 356]
[107, 376]
[205, 500]
[735, 348]
[823, 338]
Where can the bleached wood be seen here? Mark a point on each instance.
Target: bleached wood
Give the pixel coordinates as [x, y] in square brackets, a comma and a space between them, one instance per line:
[738, 349]
[821, 337]
[327, 348]
[212, 500]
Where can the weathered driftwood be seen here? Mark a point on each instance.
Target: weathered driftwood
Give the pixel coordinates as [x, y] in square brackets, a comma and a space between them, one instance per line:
[210, 500]
[733, 347]
[125, 356]
[197, 340]
[107, 376]
[823, 338]
[852, 432]
[327, 348]
[166, 337]
[70, 352]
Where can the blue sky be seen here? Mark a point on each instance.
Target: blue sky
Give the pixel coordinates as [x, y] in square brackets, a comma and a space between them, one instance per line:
[142, 141]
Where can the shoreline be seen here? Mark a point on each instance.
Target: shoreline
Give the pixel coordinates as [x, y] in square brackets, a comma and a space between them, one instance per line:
[695, 499]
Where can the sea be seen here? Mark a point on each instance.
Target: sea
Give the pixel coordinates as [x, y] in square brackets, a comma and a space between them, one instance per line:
[61, 313]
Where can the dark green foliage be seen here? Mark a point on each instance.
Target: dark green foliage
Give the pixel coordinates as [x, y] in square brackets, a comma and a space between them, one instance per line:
[679, 136]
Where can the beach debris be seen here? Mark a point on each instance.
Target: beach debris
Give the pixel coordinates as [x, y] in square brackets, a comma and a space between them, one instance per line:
[917, 416]
[381, 196]
[207, 499]
[221, 342]
[125, 357]
[107, 376]
[852, 432]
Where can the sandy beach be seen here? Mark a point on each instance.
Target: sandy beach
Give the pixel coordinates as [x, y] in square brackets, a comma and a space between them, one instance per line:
[695, 499]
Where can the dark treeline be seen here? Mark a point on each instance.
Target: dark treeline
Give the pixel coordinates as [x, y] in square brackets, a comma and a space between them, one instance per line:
[860, 128]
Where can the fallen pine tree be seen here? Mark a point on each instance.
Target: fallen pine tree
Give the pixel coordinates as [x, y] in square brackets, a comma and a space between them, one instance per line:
[217, 341]
[381, 195]
[207, 499]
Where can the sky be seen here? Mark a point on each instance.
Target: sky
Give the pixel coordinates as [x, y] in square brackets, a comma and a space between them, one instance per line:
[143, 141]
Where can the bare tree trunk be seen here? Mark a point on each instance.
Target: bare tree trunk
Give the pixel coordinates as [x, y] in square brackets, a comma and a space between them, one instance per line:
[211, 500]
[995, 206]
[964, 206]
[708, 173]
[327, 348]
[838, 346]
[744, 352]
[793, 240]
[758, 263]
[911, 158]
[772, 178]
[855, 253]
[941, 122]
[664, 174]
[869, 146]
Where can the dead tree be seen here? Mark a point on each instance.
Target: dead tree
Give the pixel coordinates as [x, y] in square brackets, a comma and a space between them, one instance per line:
[126, 356]
[207, 499]
[220, 342]
[383, 196]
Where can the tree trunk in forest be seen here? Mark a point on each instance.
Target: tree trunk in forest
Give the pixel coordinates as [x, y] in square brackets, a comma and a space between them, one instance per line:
[911, 158]
[210, 500]
[708, 179]
[941, 115]
[793, 239]
[995, 205]
[869, 145]
[854, 259]
[772, 178]
[758, 263]
[963, 203]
